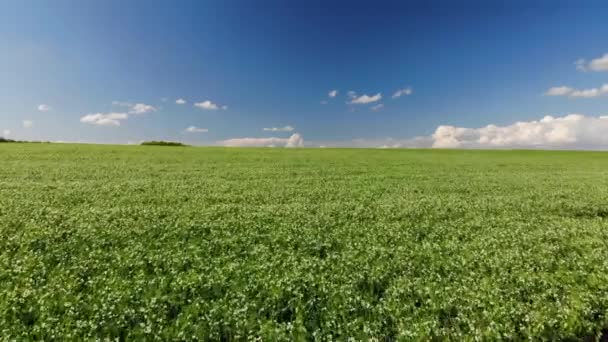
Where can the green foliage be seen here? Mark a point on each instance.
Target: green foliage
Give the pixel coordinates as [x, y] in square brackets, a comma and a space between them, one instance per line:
[124, 242]
[162, 143]
[5, 140]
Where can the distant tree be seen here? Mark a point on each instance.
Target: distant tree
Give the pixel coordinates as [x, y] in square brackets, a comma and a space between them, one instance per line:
[5, 140]
[162, 143]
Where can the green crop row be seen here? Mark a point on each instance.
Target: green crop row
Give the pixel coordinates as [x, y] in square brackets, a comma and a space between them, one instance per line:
[167, 243]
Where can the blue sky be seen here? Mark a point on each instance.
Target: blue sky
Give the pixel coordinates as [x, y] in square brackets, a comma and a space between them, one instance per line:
[468, 64]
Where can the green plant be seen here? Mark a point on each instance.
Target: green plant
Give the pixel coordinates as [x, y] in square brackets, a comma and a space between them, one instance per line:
[328, 244]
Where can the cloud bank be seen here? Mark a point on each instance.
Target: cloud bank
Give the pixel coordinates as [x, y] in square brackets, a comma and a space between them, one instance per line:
[570, 131]
[571, 92]
[295, 140]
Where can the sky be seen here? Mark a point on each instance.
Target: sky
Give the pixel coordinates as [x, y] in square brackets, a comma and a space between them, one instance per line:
[453, 74]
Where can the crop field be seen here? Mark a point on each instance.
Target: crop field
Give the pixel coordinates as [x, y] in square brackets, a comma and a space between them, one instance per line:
[189, 243]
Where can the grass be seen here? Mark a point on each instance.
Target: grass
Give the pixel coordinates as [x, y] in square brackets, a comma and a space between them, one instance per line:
[135, 242]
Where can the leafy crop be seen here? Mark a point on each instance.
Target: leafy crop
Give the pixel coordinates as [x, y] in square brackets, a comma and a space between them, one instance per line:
[134, 242]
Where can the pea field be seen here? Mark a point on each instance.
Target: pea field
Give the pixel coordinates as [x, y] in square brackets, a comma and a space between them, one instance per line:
[208, 243]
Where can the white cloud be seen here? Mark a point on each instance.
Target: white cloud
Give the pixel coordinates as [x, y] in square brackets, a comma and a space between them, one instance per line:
[180, 101]
[559, 91]
[377, 107]
[295, 140]
[194, 129]
[208, 105]
[141, 108]
[570, 131]
[101, 119]
[44, 108]
[279, 129]
[114, 119]
[573, 131]
[363, 99]
[597, 64]
[351, 94]
[6, 133]
[571, 92]
[332, 93]
[402, 92]
[137, 108]
[27, 123]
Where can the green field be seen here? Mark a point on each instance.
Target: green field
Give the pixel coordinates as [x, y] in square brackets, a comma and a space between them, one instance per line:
[136, 242]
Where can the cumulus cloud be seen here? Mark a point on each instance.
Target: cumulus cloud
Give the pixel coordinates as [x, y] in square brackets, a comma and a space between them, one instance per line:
[180, 101]
[141, 108]
[194, 129]
[584, 93]
[279, 129]
[295, 140]
[402, 92]
[44, 108]
[377, 107]
[332, 93]
[363, 99]
[570, 131]
[597, 64]
[115, 118]
[208, 105]
[107, 119]
[6, 133]
[27, 123]
[136, 108]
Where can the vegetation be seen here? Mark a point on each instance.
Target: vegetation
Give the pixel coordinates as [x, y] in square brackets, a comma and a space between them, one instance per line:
[162, 143]
[129, 242]
[5, 140]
